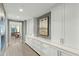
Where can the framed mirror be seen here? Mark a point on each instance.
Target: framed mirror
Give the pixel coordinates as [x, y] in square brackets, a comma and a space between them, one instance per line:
[44, 26]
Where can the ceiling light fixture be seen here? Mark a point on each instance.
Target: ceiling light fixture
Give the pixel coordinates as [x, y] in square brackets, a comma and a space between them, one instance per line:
[21, 10]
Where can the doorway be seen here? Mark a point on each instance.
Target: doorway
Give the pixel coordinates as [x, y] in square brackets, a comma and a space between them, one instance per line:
[15, 32]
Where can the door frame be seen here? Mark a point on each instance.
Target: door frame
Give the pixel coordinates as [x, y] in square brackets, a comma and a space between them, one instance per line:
[8, 28]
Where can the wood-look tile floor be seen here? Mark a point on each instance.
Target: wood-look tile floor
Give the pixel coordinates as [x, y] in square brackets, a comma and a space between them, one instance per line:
[18, 48]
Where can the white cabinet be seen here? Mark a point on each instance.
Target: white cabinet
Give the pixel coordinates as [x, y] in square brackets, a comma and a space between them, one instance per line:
[45, 48]
[64, 53]
[57, 23]
[72, 25]
[42, 48]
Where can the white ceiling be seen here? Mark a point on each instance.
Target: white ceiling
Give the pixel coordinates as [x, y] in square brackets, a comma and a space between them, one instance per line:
[29, 10]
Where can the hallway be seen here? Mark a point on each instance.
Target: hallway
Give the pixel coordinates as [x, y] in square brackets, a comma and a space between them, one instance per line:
[51, 29]
[18, 48]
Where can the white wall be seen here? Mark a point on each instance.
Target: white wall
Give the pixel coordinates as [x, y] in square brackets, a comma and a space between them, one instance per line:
[64, 26]
[30, 27]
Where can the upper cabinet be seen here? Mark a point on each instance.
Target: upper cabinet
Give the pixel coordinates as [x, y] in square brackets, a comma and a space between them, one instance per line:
[72, 25]
[57, 23]
[65, 24]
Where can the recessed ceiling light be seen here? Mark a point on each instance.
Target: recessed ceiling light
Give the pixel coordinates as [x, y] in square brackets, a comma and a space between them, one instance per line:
[21, 10]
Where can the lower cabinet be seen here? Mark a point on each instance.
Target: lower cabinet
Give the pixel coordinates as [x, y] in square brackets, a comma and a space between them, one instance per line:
[44, 49]
[64, 53]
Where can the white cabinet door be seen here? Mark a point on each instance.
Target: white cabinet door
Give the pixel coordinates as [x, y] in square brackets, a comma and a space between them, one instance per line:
[65, 53]
[57, 22]
[72, 25]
